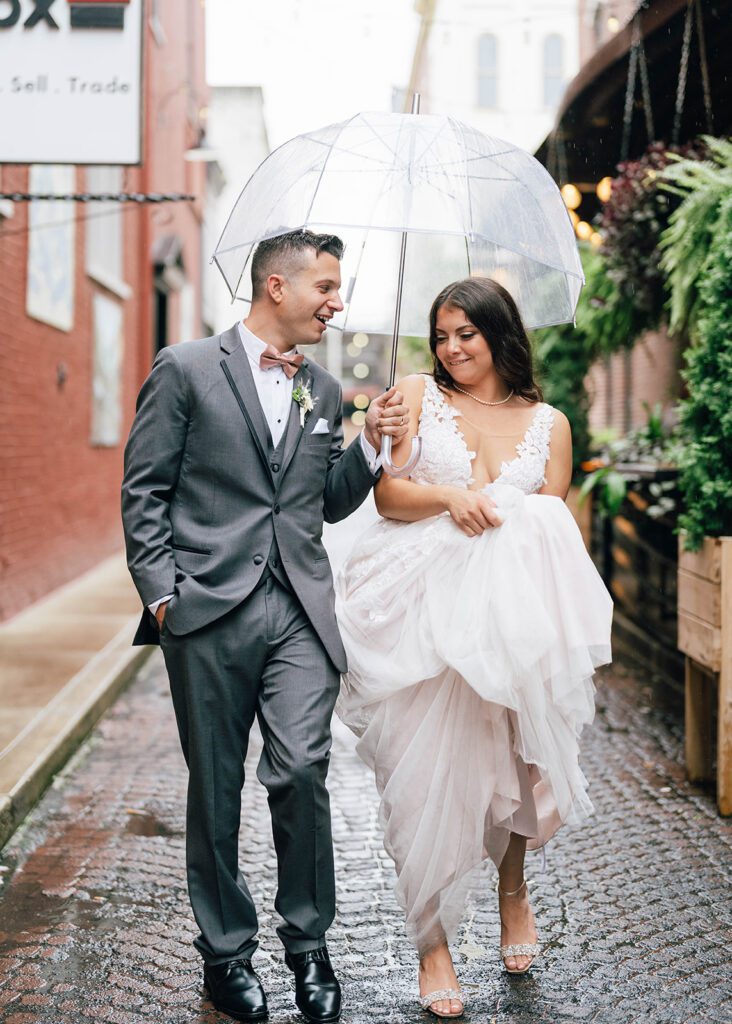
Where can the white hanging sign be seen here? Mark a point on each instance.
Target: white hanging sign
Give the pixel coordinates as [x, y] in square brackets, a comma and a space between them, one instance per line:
[71, 81]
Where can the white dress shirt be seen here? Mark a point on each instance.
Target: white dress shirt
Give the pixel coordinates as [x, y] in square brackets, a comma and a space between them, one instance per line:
[274, 390]
[274, 387]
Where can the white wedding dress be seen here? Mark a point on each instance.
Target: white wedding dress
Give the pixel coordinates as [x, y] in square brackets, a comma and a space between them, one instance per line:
[470, 671]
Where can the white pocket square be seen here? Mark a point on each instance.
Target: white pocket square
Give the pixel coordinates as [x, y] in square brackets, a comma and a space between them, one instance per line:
[321, 427]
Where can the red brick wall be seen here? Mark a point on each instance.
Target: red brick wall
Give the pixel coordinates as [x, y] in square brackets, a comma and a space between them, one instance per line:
[59, 495]
[621, 385]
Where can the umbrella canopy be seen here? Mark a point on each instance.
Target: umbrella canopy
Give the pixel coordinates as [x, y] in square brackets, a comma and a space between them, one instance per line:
[471, 205]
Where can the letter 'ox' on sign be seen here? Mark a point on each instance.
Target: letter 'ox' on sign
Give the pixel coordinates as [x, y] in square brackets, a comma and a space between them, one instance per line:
[39, 13]
[98, 13]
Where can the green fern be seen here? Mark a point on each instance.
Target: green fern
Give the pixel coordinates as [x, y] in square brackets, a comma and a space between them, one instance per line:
[703, 184]
[706, 415]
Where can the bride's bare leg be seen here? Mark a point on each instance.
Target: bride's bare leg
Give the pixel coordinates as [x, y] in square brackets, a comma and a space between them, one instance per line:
[436, 972]
[517, 917]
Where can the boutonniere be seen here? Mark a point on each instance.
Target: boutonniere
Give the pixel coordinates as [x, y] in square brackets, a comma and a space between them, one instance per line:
[301, 395]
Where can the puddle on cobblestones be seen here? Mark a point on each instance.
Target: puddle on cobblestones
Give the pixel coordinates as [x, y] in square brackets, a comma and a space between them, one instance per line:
[143, 823]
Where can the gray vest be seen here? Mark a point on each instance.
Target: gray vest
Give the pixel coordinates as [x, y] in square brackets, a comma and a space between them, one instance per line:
[274, 561]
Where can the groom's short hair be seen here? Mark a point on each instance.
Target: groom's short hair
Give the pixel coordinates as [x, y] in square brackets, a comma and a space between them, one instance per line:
[283, 254]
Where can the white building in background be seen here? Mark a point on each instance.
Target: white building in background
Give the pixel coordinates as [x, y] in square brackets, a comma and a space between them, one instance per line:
[236, 140]
[600, 20]
[498, 65]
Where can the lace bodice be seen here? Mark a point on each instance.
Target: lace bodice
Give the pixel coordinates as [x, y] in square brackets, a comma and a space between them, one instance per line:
[447, 460]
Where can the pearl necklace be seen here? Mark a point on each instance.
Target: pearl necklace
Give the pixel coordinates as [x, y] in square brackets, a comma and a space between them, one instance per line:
[482, 401]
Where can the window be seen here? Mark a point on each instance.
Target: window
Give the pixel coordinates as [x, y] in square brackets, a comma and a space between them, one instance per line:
[488, 72]
[156, 23]
[106, 407]
[50, 283]
[105, 231]
[553, 70]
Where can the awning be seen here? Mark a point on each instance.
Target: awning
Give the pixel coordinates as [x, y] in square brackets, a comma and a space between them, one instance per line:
[589, 126]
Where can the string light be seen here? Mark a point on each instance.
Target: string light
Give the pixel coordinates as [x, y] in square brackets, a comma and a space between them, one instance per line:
[584, 230]
[572, 196]
[604, 189]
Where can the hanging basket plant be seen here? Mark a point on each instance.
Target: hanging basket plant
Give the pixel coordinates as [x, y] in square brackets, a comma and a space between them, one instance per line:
[631, 225]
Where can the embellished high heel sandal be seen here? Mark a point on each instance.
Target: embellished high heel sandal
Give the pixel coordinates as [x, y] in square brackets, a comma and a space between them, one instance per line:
[427, 1002]
[530, 949]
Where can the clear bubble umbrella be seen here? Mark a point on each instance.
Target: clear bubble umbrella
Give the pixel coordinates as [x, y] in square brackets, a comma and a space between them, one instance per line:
[420, 201]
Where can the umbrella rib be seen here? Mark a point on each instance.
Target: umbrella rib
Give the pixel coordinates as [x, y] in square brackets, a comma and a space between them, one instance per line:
[388, 183]
[325, 164]
[478, 156]
[429, 146]
[241, 275]
[379, 138]
[467, 187]
[348, 152]
[537, 206]
[246, 186]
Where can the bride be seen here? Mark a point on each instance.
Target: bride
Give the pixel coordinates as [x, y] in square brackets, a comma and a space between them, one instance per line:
[473, 620]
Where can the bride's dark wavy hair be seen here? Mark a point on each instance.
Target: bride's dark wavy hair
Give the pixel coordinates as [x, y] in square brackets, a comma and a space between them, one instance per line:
[490, 308]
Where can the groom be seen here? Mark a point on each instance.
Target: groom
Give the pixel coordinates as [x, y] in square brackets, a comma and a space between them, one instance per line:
[233, 462]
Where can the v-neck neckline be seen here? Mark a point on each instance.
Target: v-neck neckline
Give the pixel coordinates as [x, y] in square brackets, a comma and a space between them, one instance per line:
[471, 456]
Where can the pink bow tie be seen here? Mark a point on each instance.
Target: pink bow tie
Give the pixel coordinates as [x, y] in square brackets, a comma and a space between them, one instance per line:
[271, 357]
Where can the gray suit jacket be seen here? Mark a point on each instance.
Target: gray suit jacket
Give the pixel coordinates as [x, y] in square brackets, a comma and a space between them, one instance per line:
[203, 499]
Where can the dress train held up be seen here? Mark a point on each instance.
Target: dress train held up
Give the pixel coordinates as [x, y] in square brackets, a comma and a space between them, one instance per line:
[470, 671]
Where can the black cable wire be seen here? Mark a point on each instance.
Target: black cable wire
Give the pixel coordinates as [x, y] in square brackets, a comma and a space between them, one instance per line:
[78, 219]
[98, 197]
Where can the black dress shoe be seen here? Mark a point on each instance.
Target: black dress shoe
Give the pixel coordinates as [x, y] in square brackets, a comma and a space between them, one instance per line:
[235, 989]
[317, 992]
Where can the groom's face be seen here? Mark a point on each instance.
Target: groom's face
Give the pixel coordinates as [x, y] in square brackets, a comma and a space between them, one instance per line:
[310, 297]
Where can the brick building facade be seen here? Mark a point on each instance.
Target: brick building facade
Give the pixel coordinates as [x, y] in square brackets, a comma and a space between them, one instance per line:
[133, 275]
[624, 387]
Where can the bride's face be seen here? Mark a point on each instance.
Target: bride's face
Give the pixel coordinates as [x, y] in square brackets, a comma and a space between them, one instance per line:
[461, 348]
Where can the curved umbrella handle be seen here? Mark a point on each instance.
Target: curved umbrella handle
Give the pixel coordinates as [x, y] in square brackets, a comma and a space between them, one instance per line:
[399, 471]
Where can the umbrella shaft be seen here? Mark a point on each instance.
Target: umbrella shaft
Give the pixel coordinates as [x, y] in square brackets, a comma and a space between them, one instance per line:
[398, 311]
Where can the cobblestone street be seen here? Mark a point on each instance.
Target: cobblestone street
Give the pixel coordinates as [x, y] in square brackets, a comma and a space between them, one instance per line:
[634, 909]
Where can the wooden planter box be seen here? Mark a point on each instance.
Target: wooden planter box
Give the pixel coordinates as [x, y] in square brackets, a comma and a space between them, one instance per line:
[705, 637]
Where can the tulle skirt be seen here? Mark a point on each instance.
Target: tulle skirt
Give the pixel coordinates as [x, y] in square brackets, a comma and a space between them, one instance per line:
[469, 682]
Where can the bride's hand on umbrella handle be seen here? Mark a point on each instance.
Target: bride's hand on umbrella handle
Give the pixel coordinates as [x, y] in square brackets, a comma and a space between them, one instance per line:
[387, 415]
[471, 511]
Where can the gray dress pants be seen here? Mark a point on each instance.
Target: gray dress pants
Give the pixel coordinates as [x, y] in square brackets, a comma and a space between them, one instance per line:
[262, 658]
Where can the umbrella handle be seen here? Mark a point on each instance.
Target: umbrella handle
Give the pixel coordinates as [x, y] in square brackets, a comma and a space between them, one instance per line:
[399, 471]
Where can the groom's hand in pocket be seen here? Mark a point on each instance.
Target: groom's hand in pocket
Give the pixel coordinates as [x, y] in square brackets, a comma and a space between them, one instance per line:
[160, 613]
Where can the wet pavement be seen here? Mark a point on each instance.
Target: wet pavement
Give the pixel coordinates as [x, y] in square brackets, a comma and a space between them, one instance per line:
[635, 909]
